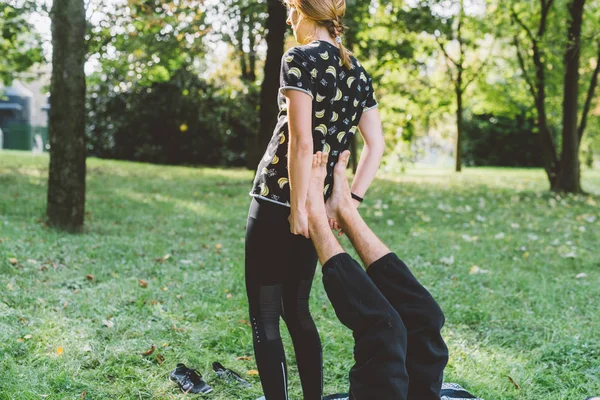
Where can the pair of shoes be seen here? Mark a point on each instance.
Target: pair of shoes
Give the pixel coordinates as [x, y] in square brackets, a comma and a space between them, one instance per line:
[189, 380]
[229, 375]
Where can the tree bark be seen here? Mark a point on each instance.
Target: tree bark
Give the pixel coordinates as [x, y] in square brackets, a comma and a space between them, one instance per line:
[538, 90]
[66, 180]
[268, 93]
[590, 96]
[459, 124]
[569, 174]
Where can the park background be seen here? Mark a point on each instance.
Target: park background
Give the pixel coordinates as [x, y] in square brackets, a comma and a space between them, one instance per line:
[123, 188]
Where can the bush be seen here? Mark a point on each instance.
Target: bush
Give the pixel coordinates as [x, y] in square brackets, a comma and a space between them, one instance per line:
[500, 141]
[182, 121]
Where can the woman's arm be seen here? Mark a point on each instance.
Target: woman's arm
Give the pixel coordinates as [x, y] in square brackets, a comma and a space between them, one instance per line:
[372, 134]
[300, 153]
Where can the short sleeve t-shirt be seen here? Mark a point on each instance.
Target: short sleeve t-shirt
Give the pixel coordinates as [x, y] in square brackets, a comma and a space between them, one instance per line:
[340, 95]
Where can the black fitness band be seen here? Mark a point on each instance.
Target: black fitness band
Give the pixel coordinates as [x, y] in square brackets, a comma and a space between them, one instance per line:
[356, 197]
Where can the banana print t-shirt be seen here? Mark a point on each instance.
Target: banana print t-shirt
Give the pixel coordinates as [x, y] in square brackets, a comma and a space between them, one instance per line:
[339, 97]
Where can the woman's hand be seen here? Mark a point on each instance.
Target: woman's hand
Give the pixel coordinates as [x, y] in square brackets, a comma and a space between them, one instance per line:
[298, 220]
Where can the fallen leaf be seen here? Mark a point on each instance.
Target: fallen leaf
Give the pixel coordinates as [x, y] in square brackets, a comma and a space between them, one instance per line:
[570, 254]
[252, 372]
[90, 277]
[27, 337]
[229, 295]
[160, 358]
[176, 329]
[447, 260]
[149, 351]
[143, 283]
[163, 258]
[12, 261]
[218, 246]
[243, 321]
[244, 358]
[476, 270]
[581, 275]
[59, 351]
[83, 395]
[514, 383]
[108, 323]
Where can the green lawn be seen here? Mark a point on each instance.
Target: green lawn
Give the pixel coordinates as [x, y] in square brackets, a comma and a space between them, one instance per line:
[515, 269]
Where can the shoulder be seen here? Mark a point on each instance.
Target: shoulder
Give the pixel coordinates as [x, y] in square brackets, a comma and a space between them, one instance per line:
[304, 54]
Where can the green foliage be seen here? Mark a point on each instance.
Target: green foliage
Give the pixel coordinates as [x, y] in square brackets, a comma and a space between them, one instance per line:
[145, 42]
[184, 120]
[20, 46]
[523, 312]
[506, 141]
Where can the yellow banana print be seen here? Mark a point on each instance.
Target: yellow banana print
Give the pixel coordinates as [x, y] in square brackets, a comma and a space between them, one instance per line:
[325, 189]
[320, 114]
[313, 73]
[338, 95]
[355, 103]
[340, 136]
[264, 190]
[275, 160]
[350, 81]
[282, 182]
[295, 71]
[320, 98]
[281, 138]
[363, 77]
[331, 70]
[324, 55]
[326, 148]
[289, 59]
[322, 128]
[334, 117]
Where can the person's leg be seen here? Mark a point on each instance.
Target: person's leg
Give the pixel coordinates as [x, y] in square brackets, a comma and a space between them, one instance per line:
[427, 354]
[265, 274]
[302, 259]
[379, 334]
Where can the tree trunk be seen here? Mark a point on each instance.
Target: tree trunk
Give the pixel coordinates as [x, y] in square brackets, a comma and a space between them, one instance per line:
[459, 124]
[545, 138]
[589, 97]
[268, 93]
[569, 174]
[66, 181]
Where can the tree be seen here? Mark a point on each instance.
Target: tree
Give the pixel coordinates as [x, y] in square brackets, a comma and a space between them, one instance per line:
[66, 181]
[564, 173]
[459, 69]
[276, 27]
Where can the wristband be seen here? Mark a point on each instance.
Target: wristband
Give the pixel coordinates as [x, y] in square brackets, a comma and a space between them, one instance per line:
[356, 197]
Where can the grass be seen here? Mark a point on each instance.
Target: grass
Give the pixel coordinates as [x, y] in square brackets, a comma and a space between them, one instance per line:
[161, 263]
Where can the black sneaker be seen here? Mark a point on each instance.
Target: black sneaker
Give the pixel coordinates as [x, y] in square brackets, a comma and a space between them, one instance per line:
[229, 375]
[189, 380]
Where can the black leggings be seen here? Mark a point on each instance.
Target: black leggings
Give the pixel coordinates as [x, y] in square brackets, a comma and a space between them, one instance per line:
[399, 351]
[280, 268]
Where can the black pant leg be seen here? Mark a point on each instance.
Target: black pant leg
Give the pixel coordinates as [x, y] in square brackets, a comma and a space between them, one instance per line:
[302, 259]
[271, 278]
[379, 334]
[427, 353]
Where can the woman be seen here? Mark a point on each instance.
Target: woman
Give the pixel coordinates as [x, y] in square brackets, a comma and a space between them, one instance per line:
[324, 97]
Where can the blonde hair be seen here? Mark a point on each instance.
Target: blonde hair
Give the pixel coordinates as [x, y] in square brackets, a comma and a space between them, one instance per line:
[326, 13]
